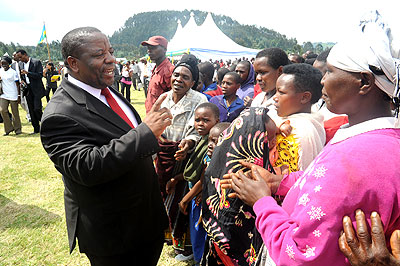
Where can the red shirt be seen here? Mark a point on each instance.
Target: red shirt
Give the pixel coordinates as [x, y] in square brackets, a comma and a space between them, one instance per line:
[160, 82]
[216, 92]
[332, 125]
[257, 90]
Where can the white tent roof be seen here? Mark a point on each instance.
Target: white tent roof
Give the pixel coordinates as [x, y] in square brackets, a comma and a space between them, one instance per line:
[206, 41]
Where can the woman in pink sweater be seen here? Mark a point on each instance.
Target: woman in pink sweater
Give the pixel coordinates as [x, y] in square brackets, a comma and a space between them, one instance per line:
[358, 169]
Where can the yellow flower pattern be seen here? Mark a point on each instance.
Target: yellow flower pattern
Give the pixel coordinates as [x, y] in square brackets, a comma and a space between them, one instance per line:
[288, 152]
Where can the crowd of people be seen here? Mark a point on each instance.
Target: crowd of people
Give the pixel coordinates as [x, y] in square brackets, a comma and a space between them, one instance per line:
[267, 161]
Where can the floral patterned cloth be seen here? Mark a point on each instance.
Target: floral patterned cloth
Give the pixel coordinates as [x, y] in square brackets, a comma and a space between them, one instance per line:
[230, 223]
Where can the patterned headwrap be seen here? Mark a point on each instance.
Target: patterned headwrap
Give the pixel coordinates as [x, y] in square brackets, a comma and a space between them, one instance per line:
[375, 50]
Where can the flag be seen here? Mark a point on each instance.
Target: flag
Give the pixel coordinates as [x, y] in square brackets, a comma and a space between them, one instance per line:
[43, 35]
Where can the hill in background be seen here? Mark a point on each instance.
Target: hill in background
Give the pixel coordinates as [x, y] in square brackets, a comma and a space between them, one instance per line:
[143, 25]
[140, 27]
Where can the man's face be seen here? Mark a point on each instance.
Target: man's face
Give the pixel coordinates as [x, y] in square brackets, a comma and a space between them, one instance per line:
[321, 66]
[243, 71]
[22, 57]
[16, 57]
[155, 52]
[95, 65]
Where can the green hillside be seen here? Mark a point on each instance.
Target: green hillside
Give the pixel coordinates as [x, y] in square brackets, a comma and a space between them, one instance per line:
[141, 26]
[126, 40]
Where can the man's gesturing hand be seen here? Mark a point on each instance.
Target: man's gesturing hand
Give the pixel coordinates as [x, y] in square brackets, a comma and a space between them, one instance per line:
[158, 119]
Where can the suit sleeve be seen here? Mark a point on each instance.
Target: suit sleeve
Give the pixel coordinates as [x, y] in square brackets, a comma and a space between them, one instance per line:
[76, 152]
[37, 72]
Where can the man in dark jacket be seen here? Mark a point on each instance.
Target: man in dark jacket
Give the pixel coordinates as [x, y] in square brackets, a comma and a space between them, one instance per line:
[31, 71]
[98, 143]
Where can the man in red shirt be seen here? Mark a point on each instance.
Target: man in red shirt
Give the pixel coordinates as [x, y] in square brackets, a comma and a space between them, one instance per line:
[160, 81]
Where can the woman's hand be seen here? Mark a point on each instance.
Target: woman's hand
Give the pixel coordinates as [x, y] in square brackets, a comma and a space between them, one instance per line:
[361, 248]
[273, 181]
[183, 207]
[170, 186]
[247, 101]
[248, 189]
[184, 147]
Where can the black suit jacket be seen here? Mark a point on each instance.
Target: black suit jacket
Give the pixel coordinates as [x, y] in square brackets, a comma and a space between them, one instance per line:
[112, 198]
[35, 75]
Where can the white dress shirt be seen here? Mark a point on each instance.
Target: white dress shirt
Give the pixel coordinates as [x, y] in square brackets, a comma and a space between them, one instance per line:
[97, 93]
[26, 67]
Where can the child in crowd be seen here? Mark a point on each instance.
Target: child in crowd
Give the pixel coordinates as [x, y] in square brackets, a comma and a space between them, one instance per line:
[206, 117]
[297, 89]
[210, 88]
[229, 104]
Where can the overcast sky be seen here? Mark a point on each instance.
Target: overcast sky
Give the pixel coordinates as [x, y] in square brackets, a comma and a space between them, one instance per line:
[315, 20]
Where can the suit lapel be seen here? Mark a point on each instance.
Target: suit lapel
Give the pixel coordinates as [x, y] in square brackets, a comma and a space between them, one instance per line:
[94, 105]
[31, 66]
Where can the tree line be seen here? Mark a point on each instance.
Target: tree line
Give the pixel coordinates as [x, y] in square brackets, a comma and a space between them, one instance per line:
[126, 40]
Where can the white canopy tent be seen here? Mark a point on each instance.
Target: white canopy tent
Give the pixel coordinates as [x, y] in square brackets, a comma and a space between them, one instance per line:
[206, 42]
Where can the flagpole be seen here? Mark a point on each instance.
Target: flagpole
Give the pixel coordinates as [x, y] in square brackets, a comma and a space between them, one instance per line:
[48, 49]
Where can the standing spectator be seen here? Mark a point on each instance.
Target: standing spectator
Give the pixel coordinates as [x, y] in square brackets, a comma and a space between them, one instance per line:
[180, 138]
[24, 104]
[160, 81]
[210, 87]
[246, 73]
[117, 76]
[51, 84]
[145, 74]
[268, 66]
[126, 81]
[9, 95]
[229, 104]
[135, 75]
[31, 75]
[296, 58]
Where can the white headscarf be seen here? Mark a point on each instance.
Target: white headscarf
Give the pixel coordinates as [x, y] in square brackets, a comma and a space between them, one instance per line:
[374, 51]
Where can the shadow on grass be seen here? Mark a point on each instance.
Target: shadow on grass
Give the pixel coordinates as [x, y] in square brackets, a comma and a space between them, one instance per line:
[14, 215]
[23, 135]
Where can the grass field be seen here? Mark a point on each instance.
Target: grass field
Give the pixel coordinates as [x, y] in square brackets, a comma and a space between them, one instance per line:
[32, 220]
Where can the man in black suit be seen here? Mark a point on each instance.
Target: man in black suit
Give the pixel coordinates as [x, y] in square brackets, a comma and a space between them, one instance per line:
[112, 201]
[32, 74]
[24, 104]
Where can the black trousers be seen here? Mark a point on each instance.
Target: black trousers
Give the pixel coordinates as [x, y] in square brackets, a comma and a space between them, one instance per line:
[48, 89]
[35, 110]
[126, 90]
[145, 255]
